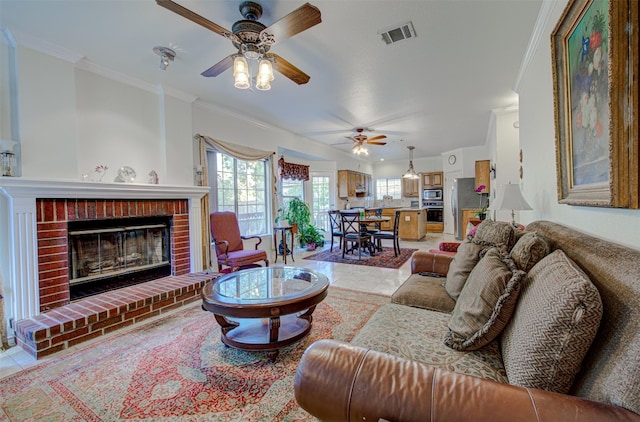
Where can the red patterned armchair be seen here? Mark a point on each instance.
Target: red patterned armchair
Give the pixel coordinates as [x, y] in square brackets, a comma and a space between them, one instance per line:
[229, 247]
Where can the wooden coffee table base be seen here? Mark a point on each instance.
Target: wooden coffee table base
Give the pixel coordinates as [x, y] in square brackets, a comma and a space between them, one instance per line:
[265, 334]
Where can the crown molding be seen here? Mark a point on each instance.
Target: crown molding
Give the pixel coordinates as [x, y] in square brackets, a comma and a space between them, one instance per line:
[89, 66]
[45, 47]
[539, 30]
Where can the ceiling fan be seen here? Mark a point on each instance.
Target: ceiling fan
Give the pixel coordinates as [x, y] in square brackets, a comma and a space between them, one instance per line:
[360, 138]
[252, 39]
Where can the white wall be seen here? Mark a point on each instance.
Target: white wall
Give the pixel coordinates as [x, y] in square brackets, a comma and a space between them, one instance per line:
[537, 140]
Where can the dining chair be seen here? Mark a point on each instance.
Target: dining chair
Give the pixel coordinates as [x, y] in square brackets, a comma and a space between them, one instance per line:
[336, 227]
[390, 235]
[230, 251]
[374, 227]
[351, 233]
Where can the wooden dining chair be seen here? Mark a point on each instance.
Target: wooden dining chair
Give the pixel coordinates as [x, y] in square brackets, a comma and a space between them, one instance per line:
[390, 235]
[336, 227]
[351, 233]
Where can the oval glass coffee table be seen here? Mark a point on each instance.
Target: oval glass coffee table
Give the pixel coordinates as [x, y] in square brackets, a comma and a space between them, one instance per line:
[265, 308]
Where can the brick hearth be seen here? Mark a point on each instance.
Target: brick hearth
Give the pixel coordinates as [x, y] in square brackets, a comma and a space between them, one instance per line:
[97, 315]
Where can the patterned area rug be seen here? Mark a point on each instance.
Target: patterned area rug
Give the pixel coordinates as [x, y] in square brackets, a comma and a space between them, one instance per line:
[176, 368]
[384, 259]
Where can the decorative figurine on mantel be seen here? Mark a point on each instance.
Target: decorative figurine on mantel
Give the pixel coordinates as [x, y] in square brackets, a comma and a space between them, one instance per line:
[153, 177]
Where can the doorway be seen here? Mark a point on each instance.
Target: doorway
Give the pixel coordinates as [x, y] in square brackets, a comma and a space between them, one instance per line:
[449, 177]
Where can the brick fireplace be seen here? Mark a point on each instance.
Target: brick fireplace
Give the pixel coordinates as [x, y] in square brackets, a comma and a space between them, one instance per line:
[54, 215]
[35, 213]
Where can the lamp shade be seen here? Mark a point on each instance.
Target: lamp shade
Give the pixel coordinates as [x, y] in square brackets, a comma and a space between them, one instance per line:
[510, 198]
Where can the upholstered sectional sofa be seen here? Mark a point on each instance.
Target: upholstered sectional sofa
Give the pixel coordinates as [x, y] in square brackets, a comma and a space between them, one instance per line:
[567, 349]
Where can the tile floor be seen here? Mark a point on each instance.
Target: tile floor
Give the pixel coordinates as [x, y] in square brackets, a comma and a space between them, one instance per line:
[370, 279]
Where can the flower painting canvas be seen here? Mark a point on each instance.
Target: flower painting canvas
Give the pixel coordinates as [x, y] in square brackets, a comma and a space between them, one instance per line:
[595, 66]
[589, 96]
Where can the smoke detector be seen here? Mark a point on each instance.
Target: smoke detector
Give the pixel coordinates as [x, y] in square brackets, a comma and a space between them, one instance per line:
[397, 33]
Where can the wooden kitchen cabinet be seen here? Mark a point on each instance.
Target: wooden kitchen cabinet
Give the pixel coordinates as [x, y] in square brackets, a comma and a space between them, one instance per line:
[433, 179]
[410, 187]
[412, 225]
[388, 225]
[353, 183]
[467, 214]
[483, 175]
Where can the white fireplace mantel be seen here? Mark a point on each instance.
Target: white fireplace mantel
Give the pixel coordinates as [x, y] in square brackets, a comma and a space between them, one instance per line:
[18, 243]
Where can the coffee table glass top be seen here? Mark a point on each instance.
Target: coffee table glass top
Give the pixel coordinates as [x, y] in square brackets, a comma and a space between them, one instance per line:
[264, 284]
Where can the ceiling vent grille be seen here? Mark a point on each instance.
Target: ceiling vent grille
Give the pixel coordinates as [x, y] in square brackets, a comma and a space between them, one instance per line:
[398, 33]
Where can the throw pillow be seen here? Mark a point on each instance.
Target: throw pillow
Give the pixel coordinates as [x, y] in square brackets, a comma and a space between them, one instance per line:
[486, 302]
[555, 321]
[530, 248]
[463, 262]
[495, 233]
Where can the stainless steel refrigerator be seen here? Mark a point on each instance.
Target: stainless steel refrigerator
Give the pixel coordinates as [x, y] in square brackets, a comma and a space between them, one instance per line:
[463, 195]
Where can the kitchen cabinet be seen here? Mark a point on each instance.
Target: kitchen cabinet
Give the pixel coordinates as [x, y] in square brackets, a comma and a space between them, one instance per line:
[412, 224]
[435, 227]
[410, 187]
[353, 183]
[483, 175]
[467, 214]
[388, 225]
[432, 179]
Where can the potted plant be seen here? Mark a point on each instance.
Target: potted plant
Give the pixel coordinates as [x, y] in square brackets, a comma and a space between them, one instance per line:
[312, 237]
[482, 213]
[298, 214]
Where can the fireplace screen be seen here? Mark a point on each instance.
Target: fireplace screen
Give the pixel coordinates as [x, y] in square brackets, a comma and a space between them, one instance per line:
[98, 253]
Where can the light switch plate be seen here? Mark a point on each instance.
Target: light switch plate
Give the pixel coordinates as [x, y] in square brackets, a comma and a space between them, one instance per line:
[407, 218]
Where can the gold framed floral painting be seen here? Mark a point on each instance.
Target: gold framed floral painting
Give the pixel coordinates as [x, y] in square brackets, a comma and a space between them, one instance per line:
[595, 74]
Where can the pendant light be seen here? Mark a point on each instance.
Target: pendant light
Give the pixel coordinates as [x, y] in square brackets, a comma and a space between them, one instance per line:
[411, 173]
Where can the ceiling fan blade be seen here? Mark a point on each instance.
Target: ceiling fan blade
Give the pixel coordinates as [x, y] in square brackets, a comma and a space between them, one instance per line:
[219, 67]
[375, 138]
[370, 142]
[194, 17]
[289, 70]
[295, 22]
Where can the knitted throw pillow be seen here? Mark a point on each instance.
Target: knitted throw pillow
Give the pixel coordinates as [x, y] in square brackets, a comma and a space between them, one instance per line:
[486, 302]
[530, 248]
[555, 321]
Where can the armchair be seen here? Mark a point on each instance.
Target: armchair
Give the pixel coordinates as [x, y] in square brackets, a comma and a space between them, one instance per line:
[228, 242]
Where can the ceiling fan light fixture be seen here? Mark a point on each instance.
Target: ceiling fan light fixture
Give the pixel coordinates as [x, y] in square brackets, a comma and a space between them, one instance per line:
[265, 75]
[166, 55]
[360, 149]
[241, 72]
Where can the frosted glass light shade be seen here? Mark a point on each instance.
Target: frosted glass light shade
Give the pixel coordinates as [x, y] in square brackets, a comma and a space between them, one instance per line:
[241, 73]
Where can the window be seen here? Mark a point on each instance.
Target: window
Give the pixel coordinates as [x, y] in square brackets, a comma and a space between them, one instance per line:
[391, 187]
[241, 187]
[292, 189]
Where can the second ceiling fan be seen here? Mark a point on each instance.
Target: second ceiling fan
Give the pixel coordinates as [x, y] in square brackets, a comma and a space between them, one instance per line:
[253, 40]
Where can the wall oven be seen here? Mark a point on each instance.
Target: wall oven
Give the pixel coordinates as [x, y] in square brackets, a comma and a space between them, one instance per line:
[434, 211]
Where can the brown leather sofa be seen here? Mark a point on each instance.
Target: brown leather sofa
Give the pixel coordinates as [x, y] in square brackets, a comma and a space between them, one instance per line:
[347, 382]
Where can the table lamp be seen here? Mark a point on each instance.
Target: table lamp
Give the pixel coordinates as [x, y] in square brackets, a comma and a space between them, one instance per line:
[510, 198]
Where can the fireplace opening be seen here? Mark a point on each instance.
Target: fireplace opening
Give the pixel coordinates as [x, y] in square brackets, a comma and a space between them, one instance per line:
[115, 253]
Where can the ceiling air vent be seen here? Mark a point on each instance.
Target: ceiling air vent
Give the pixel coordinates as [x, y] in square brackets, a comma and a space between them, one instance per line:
[398, 33]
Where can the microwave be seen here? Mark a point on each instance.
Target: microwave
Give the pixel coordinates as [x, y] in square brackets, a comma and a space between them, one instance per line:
[432, 194]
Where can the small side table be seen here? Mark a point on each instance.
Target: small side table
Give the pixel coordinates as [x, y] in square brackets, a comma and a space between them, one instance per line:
[283, 230]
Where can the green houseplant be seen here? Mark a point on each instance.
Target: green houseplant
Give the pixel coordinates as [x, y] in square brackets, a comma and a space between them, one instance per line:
[311, 236]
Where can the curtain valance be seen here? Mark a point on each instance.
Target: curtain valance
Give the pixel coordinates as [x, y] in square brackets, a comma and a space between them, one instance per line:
[293, 171]
[237, 151]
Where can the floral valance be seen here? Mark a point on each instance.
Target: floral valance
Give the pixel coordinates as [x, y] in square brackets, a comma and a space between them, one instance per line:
[293, 171]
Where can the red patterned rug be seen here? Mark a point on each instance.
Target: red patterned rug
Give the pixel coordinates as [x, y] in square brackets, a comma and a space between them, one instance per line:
[384, 259]
[176, 368]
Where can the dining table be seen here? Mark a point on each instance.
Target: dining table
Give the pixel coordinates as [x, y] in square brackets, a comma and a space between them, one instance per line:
[364, 221]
